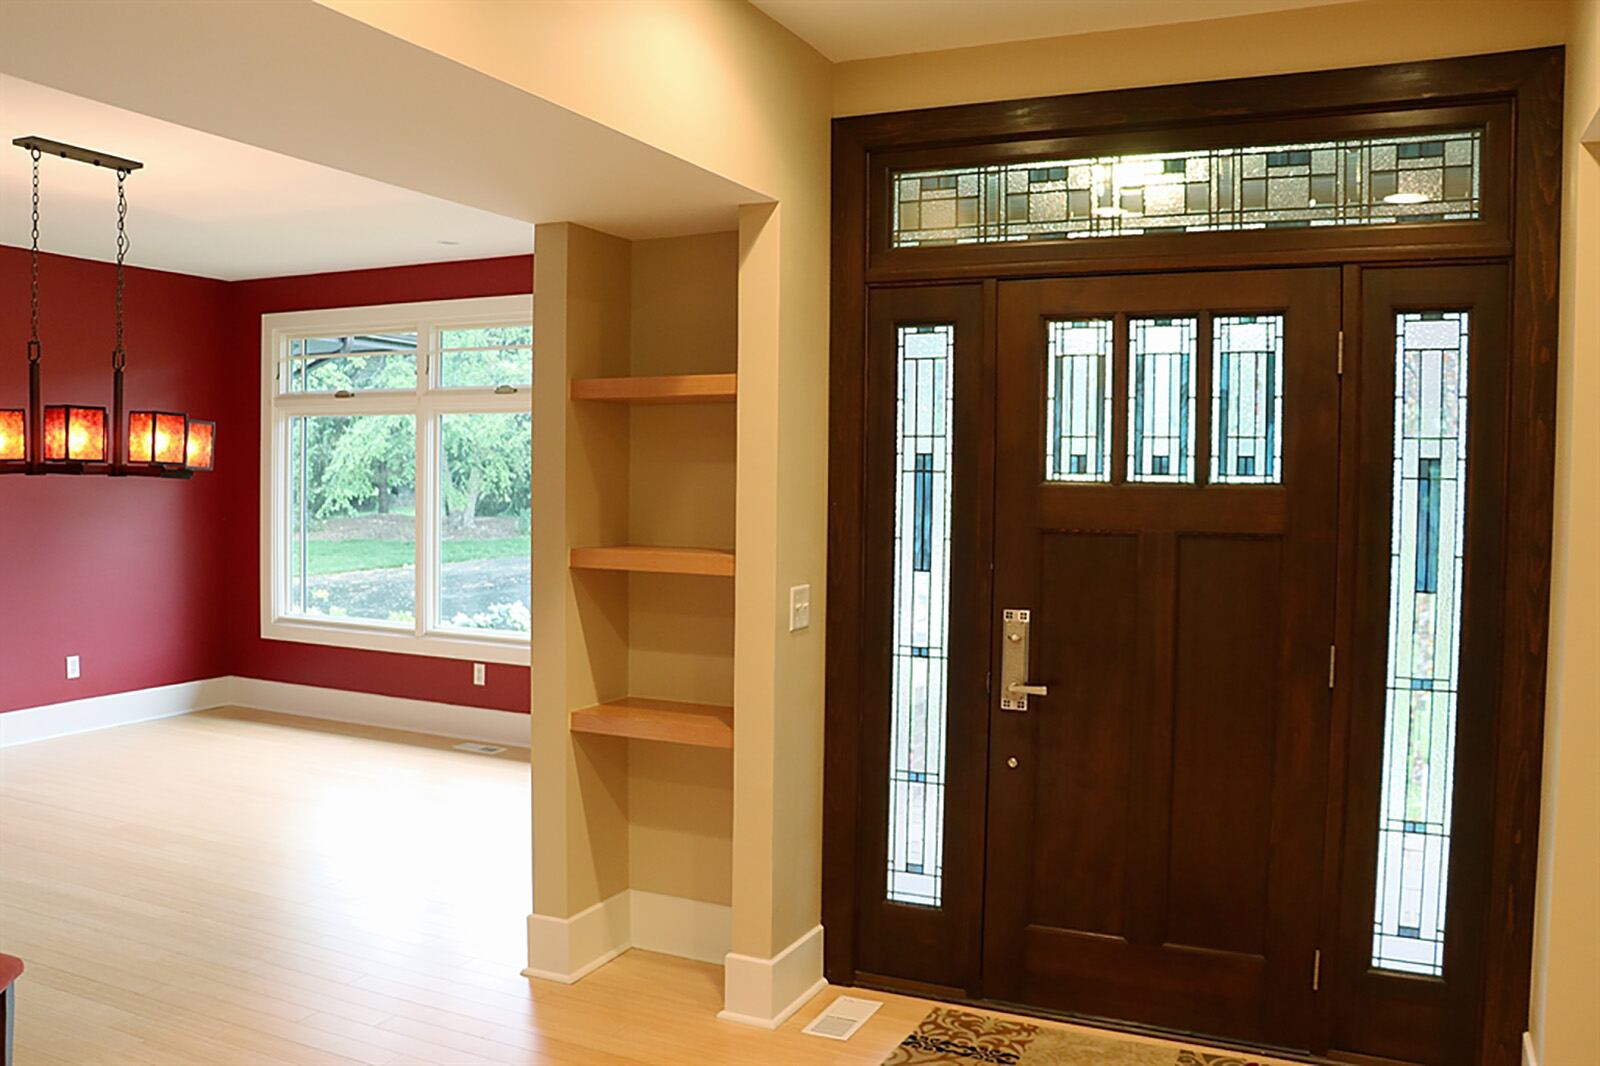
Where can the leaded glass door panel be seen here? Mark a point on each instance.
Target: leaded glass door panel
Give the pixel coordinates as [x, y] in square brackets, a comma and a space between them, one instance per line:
[928, 433]
[1166, 509]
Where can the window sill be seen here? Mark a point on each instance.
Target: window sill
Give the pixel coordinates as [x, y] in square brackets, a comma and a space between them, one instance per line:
[437, 644]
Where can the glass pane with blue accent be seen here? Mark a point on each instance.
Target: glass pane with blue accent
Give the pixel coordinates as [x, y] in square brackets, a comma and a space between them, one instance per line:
[1425, 567]
[1078, 401]
[1362, 181]
[921, 622]
[1161, 361]
[1247, 399]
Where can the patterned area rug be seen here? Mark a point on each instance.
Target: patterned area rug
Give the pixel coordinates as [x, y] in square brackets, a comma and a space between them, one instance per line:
[956, 1036]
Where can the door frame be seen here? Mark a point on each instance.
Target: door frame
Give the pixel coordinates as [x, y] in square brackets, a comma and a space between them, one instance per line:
[1517, 97]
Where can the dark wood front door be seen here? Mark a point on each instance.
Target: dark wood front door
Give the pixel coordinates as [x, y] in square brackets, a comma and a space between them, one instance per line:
[1166, 475]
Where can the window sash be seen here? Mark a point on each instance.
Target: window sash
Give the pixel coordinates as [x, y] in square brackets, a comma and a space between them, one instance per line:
[426, 401]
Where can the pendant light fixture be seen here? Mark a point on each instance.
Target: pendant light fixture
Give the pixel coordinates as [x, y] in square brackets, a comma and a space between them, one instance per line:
[72, 439]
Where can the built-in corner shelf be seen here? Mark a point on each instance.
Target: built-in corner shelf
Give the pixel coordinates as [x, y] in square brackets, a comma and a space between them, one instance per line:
[702, 725]
[712, 562]
[676, 388]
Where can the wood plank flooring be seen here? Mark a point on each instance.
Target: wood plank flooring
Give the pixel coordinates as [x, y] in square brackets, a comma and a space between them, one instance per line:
[243, 888]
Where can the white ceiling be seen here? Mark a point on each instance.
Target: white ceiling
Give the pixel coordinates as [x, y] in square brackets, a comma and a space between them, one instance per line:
[210, 206]
[861, 29]
[363, 157]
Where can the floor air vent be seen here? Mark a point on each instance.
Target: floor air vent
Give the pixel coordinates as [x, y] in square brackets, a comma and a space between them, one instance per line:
[479, 749]
[842, 1018]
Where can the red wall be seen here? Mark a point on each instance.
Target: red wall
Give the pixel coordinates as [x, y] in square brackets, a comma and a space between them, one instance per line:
[415, 676]
[126, 573]
[155, 582]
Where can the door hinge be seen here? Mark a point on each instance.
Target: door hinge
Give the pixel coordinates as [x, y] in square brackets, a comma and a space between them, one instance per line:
[1333, 660]
[1316, 970]
[1341, 353]
[988, 681]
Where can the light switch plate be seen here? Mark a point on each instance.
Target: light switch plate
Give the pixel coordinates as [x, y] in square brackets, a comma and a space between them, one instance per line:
[72, 668]
[799, 608]
[477, 673]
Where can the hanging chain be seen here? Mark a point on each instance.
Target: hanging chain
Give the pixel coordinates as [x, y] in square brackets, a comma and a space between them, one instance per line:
[33, 345]
[119, 354]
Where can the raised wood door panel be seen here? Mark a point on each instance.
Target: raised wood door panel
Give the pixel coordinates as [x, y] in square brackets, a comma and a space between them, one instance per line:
[1155, 853]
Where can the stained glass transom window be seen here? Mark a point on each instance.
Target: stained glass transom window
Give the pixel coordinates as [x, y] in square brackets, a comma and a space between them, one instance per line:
[1432, 177]
[1246, 399]
[1078, 401]
[1425, 556]
[921, 623]
[1161, 358]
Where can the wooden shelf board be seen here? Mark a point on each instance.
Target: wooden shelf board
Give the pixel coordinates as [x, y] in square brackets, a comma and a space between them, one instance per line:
[713, 562]
[702, 725]
[676, 388]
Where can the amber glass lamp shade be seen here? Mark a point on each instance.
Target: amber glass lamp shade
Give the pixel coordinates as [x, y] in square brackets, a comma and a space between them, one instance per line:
[201, 450]
[76, 433]
[13, 435]
[157, 437]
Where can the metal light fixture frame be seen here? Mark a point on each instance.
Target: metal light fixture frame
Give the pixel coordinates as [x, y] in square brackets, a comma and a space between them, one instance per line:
[116, 463]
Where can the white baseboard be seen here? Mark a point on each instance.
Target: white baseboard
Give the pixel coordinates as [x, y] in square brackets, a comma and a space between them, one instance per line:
[1529, 1057]
[672, 925]
[306, 701]
[392, 712]
[117, 708]
[765, 992]
[569, 949]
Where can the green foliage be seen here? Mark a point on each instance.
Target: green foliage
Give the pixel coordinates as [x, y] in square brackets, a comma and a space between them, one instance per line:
[353, 460]
[345, 556]
[488, 465]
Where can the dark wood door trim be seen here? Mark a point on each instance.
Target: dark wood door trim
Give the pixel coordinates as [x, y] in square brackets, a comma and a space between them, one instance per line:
[1530, 84]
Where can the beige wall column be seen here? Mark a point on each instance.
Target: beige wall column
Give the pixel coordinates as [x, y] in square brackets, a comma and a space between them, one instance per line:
[1565, 1024]
[580, 622]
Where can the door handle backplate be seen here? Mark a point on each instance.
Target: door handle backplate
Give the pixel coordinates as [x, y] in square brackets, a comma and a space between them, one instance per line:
[1014, 687]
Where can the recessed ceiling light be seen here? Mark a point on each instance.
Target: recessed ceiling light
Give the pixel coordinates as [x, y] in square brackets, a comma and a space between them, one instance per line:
[450, 242]
[1406, 198]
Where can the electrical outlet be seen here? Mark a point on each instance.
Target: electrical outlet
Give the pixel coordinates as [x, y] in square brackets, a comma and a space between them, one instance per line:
[477, 673]
[72, 668]
[799, 608]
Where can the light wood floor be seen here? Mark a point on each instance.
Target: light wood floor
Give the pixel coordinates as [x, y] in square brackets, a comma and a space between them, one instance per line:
[242, 888]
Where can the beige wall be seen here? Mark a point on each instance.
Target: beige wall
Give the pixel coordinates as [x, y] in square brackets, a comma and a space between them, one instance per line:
[580, 628]
[717, 83]
[1320, 38]
[1566, 991]
[681, 484]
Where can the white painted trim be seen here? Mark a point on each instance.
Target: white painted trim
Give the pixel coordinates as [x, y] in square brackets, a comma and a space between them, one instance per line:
[118, 708]
[765, 992]
[672, 925]
[569, 949]
[506, 728]
[426, 401]
[1529, 1057]
[391, 712]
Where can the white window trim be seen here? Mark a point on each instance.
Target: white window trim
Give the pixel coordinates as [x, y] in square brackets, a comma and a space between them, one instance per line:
[277, 407]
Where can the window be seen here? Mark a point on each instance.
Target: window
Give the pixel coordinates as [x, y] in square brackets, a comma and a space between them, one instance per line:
[919, 687]
[1433, 177]
[1425, 563]
[1078, 401]
[397, 477]
[1161, 354]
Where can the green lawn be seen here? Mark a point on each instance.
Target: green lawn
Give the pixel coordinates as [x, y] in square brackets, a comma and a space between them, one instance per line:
[339, 556]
